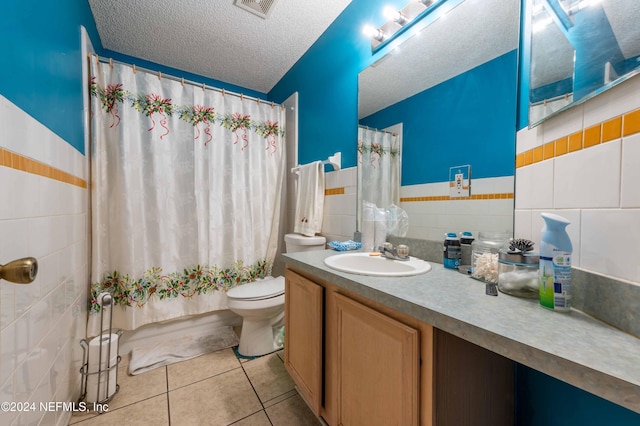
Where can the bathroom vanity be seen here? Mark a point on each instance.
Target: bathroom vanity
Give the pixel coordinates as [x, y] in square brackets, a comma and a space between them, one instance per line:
[433, 349]
[359, 362]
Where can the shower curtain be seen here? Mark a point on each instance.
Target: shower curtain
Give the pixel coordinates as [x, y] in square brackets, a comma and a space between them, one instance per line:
[185, 194]
[378, 168]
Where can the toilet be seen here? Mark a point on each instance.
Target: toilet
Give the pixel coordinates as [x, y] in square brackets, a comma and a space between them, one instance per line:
[298, 242]
[261, 304]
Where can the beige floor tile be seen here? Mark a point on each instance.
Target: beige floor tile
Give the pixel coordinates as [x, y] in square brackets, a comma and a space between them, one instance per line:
[138, 387]
[292, 412]
[280, 398]
[152, 411]
[80, 416]
[258, 419]
[200, 368]
[268, 376]
[281, 354]
[219, 400]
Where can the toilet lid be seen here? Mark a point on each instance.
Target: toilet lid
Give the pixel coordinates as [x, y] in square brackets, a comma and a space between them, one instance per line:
[261, 289]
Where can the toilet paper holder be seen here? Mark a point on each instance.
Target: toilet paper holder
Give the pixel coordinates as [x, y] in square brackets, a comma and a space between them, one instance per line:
[100, 360]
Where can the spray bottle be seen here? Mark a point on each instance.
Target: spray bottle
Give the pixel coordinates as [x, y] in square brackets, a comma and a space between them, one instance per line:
[555, 264]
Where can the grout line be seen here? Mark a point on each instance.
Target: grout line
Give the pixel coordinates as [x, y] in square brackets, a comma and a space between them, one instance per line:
[203, 379]
[249, 415]
[252, 387]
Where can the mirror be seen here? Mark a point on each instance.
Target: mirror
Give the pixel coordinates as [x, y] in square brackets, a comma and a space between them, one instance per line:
[579, 48]
[452, 88]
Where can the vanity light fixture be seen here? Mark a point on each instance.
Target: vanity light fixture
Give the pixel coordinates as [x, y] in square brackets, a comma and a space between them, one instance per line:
[375, 33]
[397, 21]
[394, 15]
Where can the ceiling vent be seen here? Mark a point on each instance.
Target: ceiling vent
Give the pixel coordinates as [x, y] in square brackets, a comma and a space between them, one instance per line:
[262, 8]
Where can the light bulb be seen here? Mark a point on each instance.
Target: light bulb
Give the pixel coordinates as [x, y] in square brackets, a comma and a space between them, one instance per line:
[373, 32]
[394, 15]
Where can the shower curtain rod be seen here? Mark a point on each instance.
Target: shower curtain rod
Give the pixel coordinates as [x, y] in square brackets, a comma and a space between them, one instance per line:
[376, 130]
[182, 80]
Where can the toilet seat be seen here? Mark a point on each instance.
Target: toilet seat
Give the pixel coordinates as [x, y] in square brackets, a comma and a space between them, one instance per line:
[260, 290]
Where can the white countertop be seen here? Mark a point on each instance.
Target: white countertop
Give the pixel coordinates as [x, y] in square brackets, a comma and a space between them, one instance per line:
[572, 347]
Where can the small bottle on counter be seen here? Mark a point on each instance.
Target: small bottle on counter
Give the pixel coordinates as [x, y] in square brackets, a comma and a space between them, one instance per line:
[452, 251]
[466, 237]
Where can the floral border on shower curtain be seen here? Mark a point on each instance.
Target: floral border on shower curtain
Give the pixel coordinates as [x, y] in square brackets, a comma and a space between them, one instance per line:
[153, 104]
[376, 148]
[130, 292]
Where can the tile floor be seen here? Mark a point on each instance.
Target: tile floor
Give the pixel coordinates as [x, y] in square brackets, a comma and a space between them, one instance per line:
[213, 389]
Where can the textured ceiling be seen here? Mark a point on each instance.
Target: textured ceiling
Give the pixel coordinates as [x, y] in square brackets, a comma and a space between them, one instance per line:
[215, 38]
[473, 33]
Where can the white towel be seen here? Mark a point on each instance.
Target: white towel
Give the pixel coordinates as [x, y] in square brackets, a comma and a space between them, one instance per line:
[310, 199]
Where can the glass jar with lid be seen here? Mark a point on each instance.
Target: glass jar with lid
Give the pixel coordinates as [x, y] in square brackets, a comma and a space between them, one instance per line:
[518, 273]
[484, 255]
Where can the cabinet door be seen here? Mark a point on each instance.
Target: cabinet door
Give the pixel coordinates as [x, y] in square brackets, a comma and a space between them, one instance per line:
[303, 337]
[377, 367]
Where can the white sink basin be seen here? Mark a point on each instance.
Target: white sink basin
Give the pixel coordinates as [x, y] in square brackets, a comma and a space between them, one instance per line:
[376, 265]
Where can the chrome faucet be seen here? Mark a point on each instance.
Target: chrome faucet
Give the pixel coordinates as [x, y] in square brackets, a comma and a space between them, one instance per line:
[394, 253]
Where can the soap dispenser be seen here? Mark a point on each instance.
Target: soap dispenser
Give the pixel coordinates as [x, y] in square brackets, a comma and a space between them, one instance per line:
[555, 264]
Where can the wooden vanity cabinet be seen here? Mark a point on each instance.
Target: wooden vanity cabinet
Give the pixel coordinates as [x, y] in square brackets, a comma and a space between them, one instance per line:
[376, 364]
[357, 362]
[303, 325]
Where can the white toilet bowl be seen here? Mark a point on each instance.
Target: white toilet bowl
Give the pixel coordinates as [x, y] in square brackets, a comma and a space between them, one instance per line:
[261, 306]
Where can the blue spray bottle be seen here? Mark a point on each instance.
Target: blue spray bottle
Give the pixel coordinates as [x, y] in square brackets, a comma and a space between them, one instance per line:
[555, 264]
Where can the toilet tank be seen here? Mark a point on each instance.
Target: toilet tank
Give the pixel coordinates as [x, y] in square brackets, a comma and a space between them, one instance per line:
[297, 242]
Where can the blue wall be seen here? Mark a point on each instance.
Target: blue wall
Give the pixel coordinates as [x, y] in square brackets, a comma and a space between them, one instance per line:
[545, 401]
[41, 68]
[326, 79]
[469, 119]
[152, 66]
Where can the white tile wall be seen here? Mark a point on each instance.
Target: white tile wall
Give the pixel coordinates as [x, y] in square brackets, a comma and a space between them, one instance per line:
[432, 219]
[41, 324]
[595, 188]
[630, 180]
[587, 179]
[608, 242]
[339, 222]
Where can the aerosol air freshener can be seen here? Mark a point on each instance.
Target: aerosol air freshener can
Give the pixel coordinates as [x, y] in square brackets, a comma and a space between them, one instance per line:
[452, 251]
[554, 272]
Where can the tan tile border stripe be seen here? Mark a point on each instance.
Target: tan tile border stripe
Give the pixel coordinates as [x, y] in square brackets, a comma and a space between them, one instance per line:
[29, 165]
[334, 191]
[615, 128]
[497, 196]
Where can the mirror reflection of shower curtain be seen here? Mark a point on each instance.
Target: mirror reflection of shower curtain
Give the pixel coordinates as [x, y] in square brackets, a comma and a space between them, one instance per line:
[185, 191]
[379, 162]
